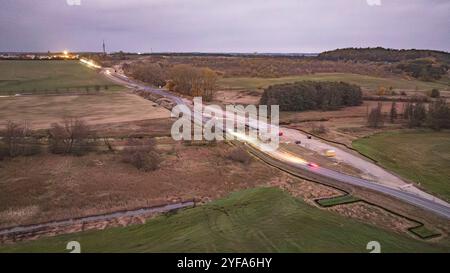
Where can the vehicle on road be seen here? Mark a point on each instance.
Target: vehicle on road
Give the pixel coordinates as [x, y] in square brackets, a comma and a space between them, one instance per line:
[330, 153]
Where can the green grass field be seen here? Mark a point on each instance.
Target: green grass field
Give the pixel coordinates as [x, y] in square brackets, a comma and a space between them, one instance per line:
[369, 82]
[255, 220]
[421, 156]
[48, 76]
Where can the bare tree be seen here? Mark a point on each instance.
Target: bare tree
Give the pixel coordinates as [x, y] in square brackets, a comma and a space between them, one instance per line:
[375, 118]
[438, 115]
[18, 141]
[71, 136]
[417, 115]
[393, 112]
[15, 135]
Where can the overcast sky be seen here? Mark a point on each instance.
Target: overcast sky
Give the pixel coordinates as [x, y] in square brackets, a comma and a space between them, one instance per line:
[223, 25]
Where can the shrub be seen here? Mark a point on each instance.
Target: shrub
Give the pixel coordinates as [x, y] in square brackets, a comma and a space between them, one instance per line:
[435, 93]
[239, 155]
[170, 85]
[318, 129]
[142, 155]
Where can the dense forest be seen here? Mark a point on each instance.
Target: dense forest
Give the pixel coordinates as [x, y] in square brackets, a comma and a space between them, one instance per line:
[311, 95]
[379, 54]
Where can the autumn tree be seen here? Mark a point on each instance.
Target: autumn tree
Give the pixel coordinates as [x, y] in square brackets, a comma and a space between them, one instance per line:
[153, 73]
[381, 91]
[184, 78]
[193, 81]
[209, 83]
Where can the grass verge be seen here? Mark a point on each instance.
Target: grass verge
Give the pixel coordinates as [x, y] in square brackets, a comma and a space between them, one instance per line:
[422, 156]
[255, 220]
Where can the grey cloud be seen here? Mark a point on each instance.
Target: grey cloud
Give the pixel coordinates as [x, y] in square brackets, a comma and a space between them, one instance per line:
[223, 25]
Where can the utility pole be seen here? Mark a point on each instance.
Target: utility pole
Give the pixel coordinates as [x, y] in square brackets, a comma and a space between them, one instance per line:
[104, 48]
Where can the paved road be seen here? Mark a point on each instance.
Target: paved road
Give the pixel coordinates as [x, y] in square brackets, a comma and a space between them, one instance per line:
[370, 171]
[428, 203]
[435, 206]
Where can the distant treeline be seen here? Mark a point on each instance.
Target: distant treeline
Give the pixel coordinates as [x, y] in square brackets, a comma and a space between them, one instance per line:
[426, 65]
[312, 95]
[379, 54]
[244, 55]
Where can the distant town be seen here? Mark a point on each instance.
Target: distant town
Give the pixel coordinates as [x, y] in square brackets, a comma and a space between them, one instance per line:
[64, 55]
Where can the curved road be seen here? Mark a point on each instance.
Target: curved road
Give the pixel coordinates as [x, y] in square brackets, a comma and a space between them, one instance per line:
[433, 205]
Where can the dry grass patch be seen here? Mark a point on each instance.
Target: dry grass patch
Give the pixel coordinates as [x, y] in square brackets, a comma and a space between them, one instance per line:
[59, 187]
[41, 111]
[374, 215]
